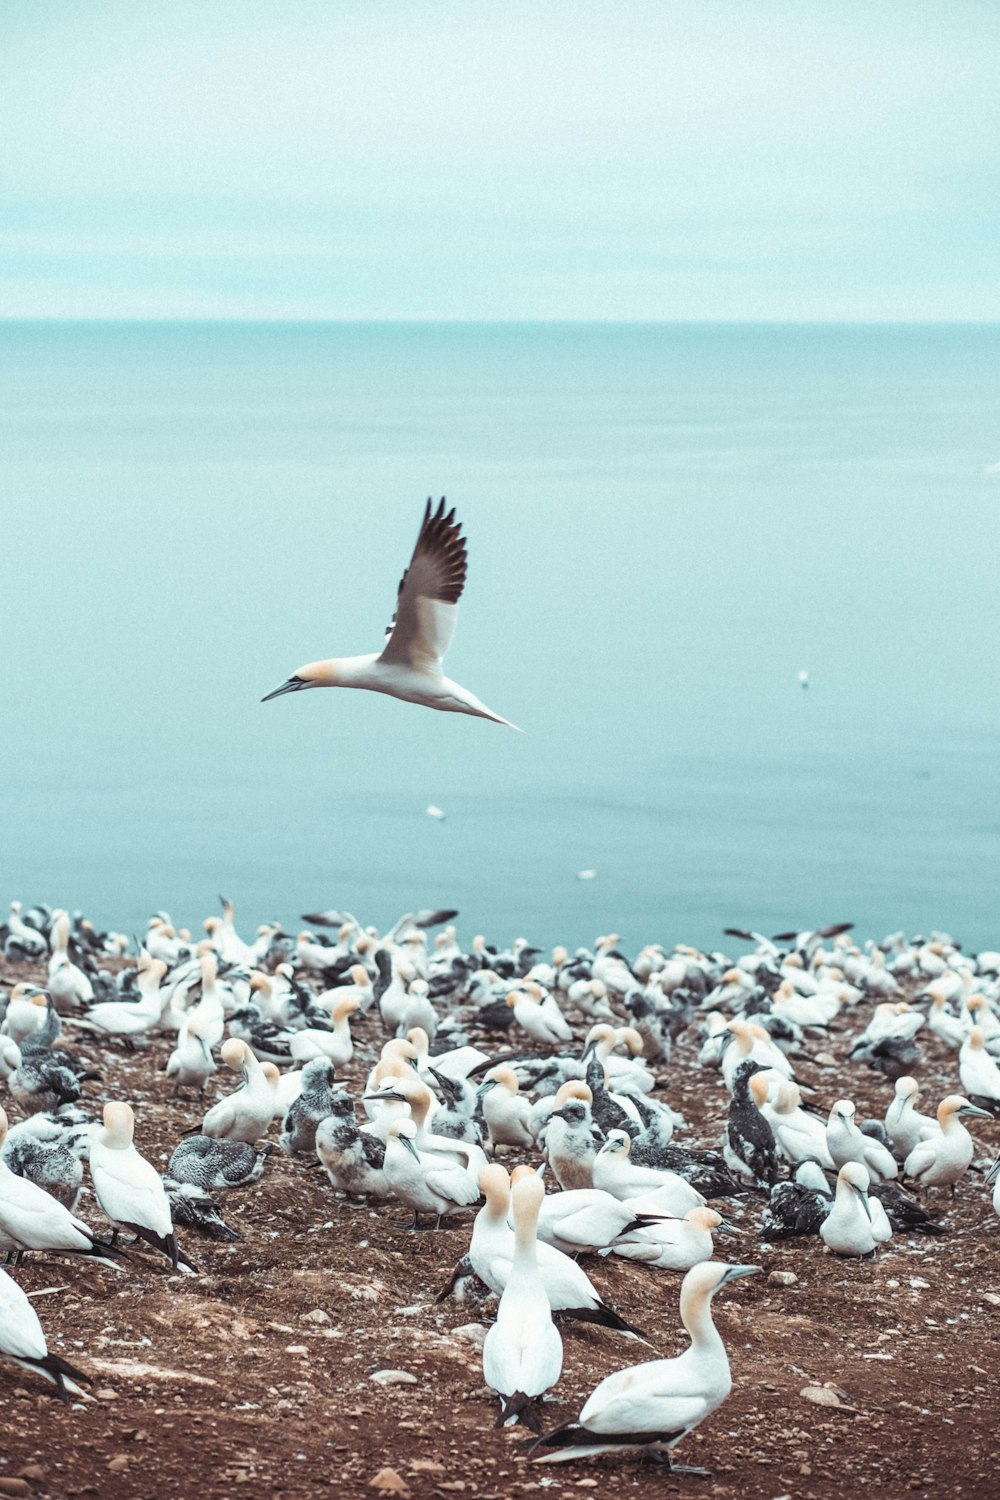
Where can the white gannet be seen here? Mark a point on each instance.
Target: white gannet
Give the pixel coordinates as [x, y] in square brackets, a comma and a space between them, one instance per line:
[904, 1124]
[797, 1133]
[847, 1143]
[22, 1340]
[941, 1159]
[428, 1183]
[22, 941]
[68, 983]
[979, 1074]
[336, 1044]
[130, 1190]
[419, 634]
[660, 1192]
[32, 1219]
[191, 1063]
[126, 1018]
[522, 1353]
[506, 1111]
[246, 1114]
[652, 1406]
[674, 1244]
[25, 1012]
[567, 1286]
[848, 1228]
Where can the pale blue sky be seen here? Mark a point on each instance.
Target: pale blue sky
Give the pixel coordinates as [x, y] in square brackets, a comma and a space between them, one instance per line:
[449, 159]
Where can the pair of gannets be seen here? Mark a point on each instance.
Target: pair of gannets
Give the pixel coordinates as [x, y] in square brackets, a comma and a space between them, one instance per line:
[942, 1158]
[650, 1407]
[856, 1224]
[32, 1219]
[847, 1143]
[522, 1352]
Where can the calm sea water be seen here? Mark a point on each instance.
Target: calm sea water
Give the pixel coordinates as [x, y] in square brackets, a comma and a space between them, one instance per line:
[665, 524]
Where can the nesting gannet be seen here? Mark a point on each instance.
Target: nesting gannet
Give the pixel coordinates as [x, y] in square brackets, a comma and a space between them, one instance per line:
[129, 1189]
[522, 1353]
[126, 1019]
[32, 1219]
[506, 1111]
[22, 1340]
[848, 1229]
[584, 1219]
[941, 1159]
[846, 1143]
[22, 941]
[667, 1190]
[245, 1114]
[68, 985]
[568, 1288]
[419, 634]
[673, 1244]
[336, 1044]
[652, 1406]
[799, 1205]
[23, 1016]
[979, 1074]
[904, 1124]
[49, 1152]
[798, 1133]
[211, 1164]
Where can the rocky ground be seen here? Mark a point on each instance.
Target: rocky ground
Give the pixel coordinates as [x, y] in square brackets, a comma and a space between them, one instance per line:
[312, 1352]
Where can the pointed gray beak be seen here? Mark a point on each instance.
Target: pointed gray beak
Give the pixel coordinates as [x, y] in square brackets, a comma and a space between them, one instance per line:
[860, 1194]
[405, 1140]
[484, 1088]
[735, 1272]
[973, 1109]
[994, 1170]
[291, 686]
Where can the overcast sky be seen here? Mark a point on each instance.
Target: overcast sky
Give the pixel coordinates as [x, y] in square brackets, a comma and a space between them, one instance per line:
[682, 159]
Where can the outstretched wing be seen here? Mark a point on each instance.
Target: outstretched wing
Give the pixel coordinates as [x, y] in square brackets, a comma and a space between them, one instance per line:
[421, 630]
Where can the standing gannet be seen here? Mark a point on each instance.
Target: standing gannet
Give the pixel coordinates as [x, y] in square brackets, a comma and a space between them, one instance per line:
[419, 633]
[847, 1142]
[191, 1063]
[904, 1124]
[32, 1219]
[979, 1074]
[22, 1340]
[129, 1189]
[941, 1159]
[522, 1353]
[427, 1184]
[651, 1407]
[506, 1111]
[569, 1137]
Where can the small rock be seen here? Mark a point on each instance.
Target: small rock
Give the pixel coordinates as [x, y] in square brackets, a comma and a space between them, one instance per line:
[820, 1395]
[474, 1332]
[919, 1284]
[389, 1482]
[119, 1464]
[296, 1349]
[782, 1278]
[394, 1377]
[316, 1316]
[824, 1060]
[991, 1298]
[33, 1472]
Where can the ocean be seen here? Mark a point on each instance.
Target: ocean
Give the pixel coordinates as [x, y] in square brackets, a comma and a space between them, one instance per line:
[666, 524]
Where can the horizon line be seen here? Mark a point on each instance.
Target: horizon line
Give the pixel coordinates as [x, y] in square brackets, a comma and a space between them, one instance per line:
[207, 320]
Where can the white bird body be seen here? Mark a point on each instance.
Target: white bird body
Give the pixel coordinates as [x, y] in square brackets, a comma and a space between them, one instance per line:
[23, 1016]
[410, 664]
[797, 1133]
[658, 1403]
[129, 1018]
[23, 1341]
[246, 1114]
[659, 1191]
[522, 1353]
[978, 1072]
[426, 1184]
[846, 1143]
[848, 1228]
[191, 1063]
[941, 1159]
[337, 1045]
[673, 1244]
[583, 1219]
[127, 1186]
[904, 1125]
[547, 1026]
[31, 1219]
[506, 1111]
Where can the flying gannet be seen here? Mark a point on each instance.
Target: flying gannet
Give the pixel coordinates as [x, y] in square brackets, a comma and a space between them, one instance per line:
[419, 633]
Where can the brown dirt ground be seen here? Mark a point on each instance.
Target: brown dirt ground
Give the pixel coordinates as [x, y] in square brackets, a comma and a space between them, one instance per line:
[205, 1384]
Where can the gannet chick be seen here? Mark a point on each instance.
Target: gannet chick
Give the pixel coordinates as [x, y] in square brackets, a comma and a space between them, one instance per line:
[568, 1288]
[905, 1126]
[798, 1206]
[426, 1184]
[506, 1111]
[570, 1139]
[246, 1114]
[847, 1143]
[848, 1229]
[749, 1147]
[979, 1074]
[23, 1342]
[210, 1165]
[674, 1244]
[196, 1210]
[129, 1189]
[941, 1159]
[32, 1219]
[298, 1129]
[191, 1063]
[53, 1164]
[660, 1192]
[522, 1353]
[354, 1160]
[652, 1406]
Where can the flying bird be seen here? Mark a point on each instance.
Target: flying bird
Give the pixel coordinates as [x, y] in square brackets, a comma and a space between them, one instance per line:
[419, 633]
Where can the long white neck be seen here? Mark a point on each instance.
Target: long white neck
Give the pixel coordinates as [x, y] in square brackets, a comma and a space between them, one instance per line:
[696, 1315]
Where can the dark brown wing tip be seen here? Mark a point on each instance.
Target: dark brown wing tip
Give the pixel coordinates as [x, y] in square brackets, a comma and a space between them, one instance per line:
[441, 537]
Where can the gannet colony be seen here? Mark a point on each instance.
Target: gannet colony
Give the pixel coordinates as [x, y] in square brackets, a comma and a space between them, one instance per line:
[526, 1103]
